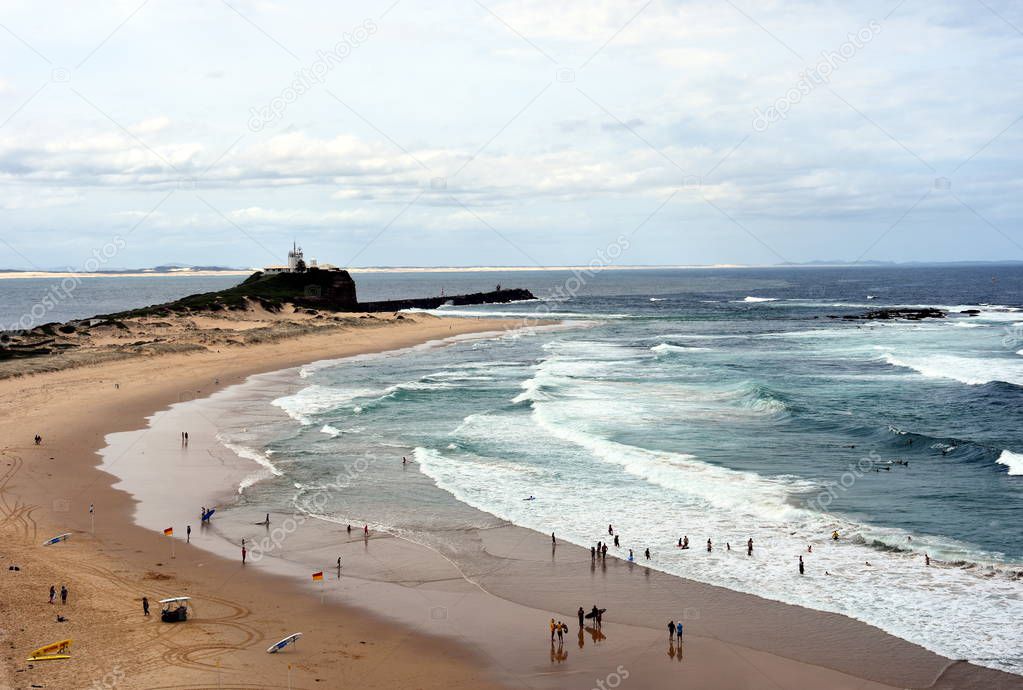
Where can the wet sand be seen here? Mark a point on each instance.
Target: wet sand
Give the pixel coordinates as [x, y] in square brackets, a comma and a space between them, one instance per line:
[401, 615]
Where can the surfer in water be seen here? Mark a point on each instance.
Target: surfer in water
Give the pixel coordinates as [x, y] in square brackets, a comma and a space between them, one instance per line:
[709, 546]
[749, 547]
[685, 542]
[616, 540]
[647, 554]
[800, 565]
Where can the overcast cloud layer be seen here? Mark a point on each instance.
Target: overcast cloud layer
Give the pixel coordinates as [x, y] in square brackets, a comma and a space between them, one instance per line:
[463, 132]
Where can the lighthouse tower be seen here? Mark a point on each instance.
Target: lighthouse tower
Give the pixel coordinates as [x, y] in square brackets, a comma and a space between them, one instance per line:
[294, 256]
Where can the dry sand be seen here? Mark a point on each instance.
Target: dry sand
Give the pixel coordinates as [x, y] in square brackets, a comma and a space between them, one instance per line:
[431, 625]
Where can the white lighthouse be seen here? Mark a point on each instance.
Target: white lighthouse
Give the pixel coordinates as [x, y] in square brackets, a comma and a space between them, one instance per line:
[294, 256]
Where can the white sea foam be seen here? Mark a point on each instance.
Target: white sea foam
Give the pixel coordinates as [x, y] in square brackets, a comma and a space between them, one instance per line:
[667, 348]
[316, 399]
[1014, 461]
[755, 300]
[972, 371]
[268, 469]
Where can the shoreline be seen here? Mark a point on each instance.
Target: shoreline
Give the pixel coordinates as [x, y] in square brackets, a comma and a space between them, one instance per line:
[60, 498]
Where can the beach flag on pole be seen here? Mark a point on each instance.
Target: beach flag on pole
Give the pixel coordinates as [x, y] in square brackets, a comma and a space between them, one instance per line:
[169, 532]
[318, 576]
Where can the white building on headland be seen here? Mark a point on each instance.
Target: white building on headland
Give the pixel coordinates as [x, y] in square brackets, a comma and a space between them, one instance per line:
[295, 259]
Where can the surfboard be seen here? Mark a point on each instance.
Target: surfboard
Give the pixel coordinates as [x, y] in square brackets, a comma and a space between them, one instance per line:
[278, 646]
[590, 614]
[57, 539]
[57, 650]
[208, 514]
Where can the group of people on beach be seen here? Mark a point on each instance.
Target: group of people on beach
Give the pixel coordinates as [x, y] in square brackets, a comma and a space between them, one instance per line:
[63, 593]
[184, 438]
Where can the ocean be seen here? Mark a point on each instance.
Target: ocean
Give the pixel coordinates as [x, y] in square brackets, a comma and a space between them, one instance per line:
[720, 404]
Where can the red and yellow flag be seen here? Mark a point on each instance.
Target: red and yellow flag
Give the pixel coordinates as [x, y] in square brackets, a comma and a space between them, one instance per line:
[169, 532]
[318, 576]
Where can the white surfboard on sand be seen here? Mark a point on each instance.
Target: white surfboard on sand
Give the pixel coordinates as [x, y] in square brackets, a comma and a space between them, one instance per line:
[278, 646]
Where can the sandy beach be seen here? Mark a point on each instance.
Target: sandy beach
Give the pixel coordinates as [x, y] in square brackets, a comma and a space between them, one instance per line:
[401, 615]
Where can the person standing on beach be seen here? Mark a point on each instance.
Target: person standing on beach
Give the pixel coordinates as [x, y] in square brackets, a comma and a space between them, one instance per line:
[647, 554]
[145, 606]
[616, 541]
[553, 540]
[53, 593]
[593, 553]
[552, 631]
[749, 547]
[582, 617]
[800, 565]
[561, 633]
[63, 595]
[604, 552]
[339, 566]
[186, 438]
[244, 552]
[678, 632]
[349, 530]
[188, 534]
[671, 630]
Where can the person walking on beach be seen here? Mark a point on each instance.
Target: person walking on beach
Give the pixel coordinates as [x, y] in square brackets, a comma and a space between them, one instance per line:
[616, 541]
[647, 554]
[671, 630]
[365, 530]
[593, 553]
[630, 556]
[63, 595]
[582, 617]
[800, 565]
[38, 439]
[349, 530]
[188, 534]
[53, 593]
[553, 540]
[339, 566]
[604, 552]
[145, 606]
[678, 632]
[561, 633]
[552, 631]
[186, 438]
[749, 547]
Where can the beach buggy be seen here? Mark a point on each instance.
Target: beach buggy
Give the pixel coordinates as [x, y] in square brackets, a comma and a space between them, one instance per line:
[175, 609]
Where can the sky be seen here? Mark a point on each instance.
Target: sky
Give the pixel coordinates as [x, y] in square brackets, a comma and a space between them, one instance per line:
[500, 132]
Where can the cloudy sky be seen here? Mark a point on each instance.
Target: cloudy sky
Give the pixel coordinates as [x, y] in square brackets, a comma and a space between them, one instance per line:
[510, 132]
